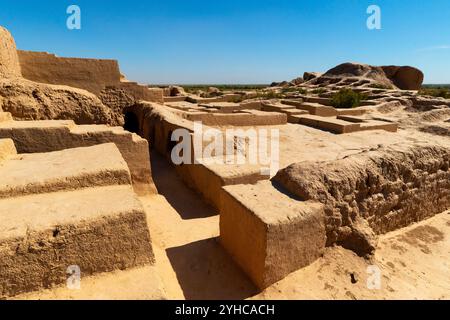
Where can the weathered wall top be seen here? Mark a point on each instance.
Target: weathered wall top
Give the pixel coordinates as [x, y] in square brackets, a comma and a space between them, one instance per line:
[9, 62]
[90, 74]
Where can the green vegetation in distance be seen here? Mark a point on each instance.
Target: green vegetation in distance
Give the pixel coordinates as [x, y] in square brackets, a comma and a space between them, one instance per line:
[347, 98]
[223, 87]
[439, 91]
[436, 86]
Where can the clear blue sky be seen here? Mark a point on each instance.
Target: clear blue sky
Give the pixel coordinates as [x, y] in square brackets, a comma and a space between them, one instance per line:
[237, 41]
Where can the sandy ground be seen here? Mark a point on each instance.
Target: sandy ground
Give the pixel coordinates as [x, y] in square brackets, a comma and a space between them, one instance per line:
[192, 263]
[414, 264]
[316, 145]
[414, 261]
[136, 284]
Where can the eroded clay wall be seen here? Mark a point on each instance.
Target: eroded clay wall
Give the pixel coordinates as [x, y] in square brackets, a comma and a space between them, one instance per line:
[389, 188]
[89, 74]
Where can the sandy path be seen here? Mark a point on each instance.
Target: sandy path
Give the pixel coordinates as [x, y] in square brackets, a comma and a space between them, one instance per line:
[184, 230]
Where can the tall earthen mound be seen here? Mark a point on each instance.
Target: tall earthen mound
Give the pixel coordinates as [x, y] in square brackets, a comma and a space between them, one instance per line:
[406, 78]
[9, 61]
[401, 77]
[386, 189]
[347, 70]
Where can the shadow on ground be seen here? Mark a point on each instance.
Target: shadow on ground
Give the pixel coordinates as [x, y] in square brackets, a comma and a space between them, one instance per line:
[206, 272]
[183, 199]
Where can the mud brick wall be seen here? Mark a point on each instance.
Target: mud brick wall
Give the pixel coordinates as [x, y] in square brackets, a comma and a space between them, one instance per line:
[89, 74]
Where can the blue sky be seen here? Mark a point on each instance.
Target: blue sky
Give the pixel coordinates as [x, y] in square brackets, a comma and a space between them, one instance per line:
[237, 41]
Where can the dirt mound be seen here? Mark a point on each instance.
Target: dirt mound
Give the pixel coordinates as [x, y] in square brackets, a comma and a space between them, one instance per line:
[439, 130]
[389, 107]
[405, 78]
[385, 188]
[347, 70]
[435, 115]
[311, 75]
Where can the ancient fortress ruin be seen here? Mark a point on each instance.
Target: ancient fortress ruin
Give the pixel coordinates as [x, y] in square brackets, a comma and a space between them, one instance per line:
[75, 169]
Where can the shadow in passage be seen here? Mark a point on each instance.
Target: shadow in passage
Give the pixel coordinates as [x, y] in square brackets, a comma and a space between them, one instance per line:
[131, 122]
[206, 272]
[184, 200]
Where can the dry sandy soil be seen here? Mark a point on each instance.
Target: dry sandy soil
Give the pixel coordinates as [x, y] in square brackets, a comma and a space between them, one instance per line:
[191, 264]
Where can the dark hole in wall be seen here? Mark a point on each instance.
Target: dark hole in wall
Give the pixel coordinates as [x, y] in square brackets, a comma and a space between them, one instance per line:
[131, 122]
